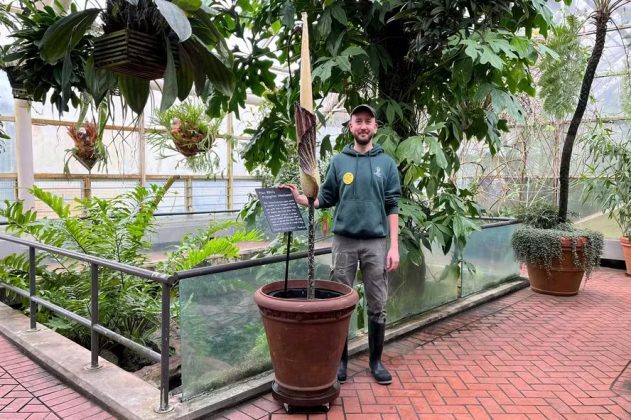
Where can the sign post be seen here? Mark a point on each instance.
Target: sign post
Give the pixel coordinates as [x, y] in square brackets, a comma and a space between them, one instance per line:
[282, 214]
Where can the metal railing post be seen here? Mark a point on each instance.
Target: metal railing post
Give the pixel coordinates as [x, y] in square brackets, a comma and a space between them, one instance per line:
[164, 350]
[94, 317]
[31, 281]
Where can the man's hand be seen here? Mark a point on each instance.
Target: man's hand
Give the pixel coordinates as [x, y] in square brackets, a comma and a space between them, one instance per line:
[292, 188]
[300, 198]
[392, 259]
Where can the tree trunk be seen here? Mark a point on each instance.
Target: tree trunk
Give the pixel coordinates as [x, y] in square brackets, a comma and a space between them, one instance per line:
[564, 174]
[395, 83]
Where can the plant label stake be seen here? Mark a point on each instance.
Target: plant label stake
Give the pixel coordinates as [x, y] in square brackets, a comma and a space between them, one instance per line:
[282, 214]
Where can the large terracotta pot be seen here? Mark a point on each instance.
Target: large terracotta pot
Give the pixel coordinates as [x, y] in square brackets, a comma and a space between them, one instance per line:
[564, 278]
[306, 338]
[626, 251]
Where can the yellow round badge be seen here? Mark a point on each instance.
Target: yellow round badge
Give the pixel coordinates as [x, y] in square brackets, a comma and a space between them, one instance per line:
[348, 178]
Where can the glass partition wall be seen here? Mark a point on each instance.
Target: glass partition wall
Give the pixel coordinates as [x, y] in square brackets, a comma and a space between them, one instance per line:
[223, 340]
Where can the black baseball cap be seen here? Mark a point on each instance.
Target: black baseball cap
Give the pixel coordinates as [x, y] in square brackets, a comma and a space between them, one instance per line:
[364, 107]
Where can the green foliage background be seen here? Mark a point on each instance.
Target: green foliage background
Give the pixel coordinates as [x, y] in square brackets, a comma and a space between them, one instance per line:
[437, 71]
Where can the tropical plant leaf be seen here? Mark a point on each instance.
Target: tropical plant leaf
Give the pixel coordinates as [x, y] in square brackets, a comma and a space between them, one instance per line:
[176, 19]
[135, 91]
[170, 86]
[66, 74]
[98, 81]
[188, 5]
[65, 34]
[216, 71]
[185, 74]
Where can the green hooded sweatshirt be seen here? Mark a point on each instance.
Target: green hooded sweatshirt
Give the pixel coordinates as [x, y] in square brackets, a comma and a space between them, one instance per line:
[365, 189]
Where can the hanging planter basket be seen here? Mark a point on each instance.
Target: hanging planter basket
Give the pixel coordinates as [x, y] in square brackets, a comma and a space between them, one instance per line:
[85, 140]
[133, 53]
[188, 144]
[87, 162]
[17, 87]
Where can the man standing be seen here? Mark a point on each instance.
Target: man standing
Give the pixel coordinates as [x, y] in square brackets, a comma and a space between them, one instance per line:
[363, 183]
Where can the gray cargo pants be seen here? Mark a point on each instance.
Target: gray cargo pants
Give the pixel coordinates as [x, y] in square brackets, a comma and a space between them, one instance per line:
[371, 254]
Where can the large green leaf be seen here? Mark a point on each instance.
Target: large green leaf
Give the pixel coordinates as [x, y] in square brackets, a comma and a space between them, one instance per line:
[176, 19]
[66, 74]
[170, 88]
[64, 34]
[135, 91]
[98, 81]
[208, 34]
[216, 71]
[185, 74]
[188, 5]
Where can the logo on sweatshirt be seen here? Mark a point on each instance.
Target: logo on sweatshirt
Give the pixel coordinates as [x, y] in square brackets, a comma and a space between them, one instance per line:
[348, 178]
[378, 172]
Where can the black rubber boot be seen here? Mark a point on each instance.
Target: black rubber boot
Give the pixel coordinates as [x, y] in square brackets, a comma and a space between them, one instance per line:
[376, 335]
[341, 370]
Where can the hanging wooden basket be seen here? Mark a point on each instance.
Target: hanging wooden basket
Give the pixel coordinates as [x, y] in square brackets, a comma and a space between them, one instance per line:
[134, 53]
[17, 87]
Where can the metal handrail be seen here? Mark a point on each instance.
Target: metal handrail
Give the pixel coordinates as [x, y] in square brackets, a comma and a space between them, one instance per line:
[216, 269]
[96, 329]
[183, 213]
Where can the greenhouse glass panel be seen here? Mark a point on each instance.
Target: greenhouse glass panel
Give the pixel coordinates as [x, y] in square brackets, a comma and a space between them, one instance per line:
[416, 289]
[68, 190]
[209, 195]
[7, 149]
[110, 189]
[489, 251]
[242, 189]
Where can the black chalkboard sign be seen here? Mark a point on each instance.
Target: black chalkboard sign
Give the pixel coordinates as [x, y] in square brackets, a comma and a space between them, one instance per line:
[281, 209]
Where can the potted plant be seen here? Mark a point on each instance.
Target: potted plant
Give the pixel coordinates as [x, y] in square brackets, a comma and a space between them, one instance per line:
[30, 76]
[188, 48]
[186, 129]
[133, 40]
[555, 253]
[306, 326]
[88, 139]
[609, 182]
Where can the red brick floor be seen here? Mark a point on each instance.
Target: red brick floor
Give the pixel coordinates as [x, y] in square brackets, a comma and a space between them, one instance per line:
[524, 356]
[27, 391]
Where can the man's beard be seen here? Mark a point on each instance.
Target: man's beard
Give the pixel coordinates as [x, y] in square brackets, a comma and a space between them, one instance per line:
[363, 142]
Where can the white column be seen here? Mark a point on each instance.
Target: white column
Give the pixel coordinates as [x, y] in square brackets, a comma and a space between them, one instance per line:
[24, 151]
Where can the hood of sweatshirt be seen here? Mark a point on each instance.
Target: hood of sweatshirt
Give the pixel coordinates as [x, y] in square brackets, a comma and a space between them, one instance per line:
[376, 150]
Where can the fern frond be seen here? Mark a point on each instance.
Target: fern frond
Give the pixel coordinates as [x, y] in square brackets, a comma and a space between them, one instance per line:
[54, 202]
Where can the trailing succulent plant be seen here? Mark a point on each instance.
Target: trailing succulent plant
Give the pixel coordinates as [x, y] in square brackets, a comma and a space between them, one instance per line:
[539, 242]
